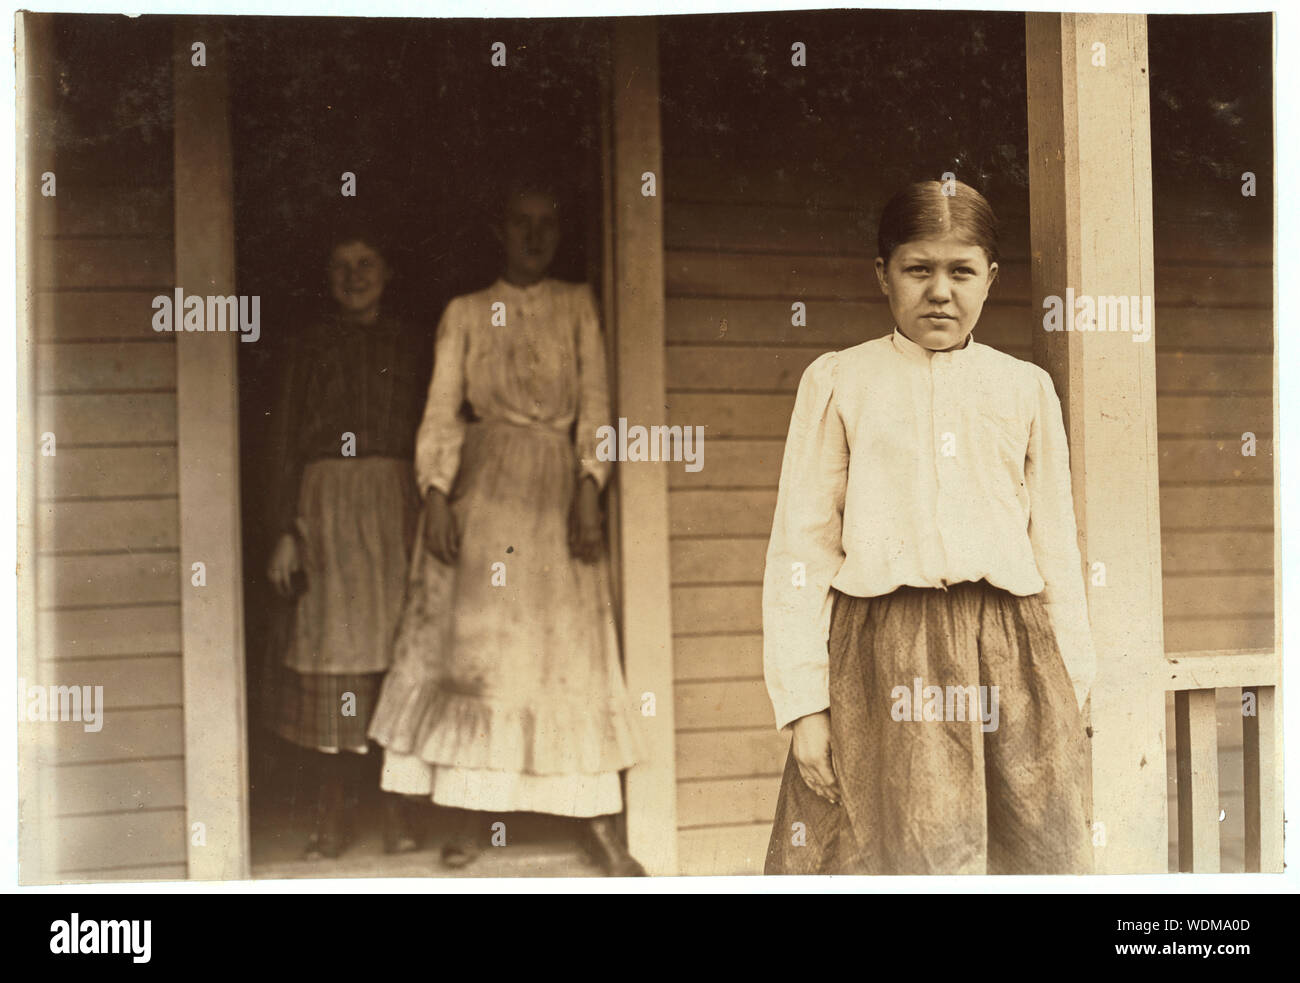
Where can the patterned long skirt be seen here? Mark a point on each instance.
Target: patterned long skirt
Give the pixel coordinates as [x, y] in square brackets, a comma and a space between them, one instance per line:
[956, 740]
[357, 517]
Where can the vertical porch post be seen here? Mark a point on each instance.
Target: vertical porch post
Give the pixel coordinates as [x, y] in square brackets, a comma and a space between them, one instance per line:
[638, 324]
[1091, 230]
[207, 410]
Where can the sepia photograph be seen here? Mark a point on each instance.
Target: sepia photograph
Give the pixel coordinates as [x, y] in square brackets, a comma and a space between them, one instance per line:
[804, 442]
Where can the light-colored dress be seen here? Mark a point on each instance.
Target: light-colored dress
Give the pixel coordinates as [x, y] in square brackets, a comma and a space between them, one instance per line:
[506, 692]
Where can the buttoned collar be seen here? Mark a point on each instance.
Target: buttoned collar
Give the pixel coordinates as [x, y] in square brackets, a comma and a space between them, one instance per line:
[907, 347]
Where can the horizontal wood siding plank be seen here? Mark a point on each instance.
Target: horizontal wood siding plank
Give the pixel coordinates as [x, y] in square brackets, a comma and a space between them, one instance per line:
[113, 210]
[1210, 551]
[1221, 633]
[1224, 416]
[65, 264]
[722, 513]
[157, 732]
[89, 315]
[107, 472]
[717, 609]
[113, 875]
[732, 464]
[730, 800]
[1215, 460]
[1222, 329]
[711, 657]
[1201, 596]
[731, 754]
[151, 524]
[727, 561]
[829, 324]
[723, 851]
[151, 681]
[1211, 507]
[119, 418]
[733, 415]
[120, 839]
[798, 277]
[97, 366]
[107, 632]
[740, 703]
[147, 578]
[115, 787]
[1212, 286]
[1219, 373]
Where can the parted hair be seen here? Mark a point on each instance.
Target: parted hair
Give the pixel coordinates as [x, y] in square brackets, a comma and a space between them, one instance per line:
[923, 211]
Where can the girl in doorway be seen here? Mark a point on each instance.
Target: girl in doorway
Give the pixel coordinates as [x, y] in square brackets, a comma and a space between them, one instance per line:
[925, 631]
[506, 692]
[347, 512]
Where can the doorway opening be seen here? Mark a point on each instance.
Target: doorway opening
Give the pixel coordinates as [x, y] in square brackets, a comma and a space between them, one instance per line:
[409, 127]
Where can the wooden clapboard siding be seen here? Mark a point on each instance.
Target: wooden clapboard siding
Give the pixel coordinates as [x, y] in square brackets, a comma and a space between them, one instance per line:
[107, 516]
[135, 733]
[732, 849]
[108, 631]
[1214, 345]
[133, 837]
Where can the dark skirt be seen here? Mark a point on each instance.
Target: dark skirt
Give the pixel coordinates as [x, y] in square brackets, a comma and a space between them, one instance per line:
[956, 740]
[310, 709]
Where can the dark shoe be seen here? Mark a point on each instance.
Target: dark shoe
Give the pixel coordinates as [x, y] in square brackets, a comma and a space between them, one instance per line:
[323, 846]
[609, 851]
[399, 836]
[330, 837]
[464, 845]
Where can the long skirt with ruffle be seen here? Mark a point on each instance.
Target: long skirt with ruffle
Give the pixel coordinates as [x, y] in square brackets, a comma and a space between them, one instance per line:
[505, 692]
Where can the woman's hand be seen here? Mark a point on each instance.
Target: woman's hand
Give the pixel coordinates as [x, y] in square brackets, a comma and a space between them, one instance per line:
[283, 563]
[585, 533]
[441, 535]
[812, 752]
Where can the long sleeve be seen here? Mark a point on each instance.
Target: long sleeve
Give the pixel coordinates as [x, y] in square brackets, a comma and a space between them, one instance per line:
[806, 550]
[593, 388]
[1052, 534]
[442, 430]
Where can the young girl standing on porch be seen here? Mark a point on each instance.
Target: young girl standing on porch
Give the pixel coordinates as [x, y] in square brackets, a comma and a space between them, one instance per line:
[924, 547]
[349, 410]
[506, 692]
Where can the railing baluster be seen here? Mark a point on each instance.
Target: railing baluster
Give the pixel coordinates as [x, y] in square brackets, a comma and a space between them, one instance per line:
[1197, 754]
[1259, 747]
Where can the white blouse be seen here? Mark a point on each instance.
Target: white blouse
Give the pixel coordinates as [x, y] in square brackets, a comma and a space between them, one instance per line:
[910, 467]
[537, 359]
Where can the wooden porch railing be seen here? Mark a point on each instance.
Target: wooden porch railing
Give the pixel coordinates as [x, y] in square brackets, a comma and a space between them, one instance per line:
[1193, 678]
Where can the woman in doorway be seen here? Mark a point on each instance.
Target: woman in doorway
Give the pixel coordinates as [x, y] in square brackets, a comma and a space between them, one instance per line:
[925, 627]
[350, 408]
[506, 693]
